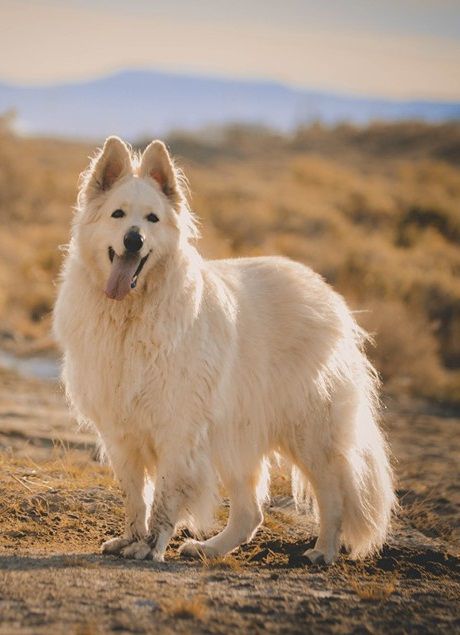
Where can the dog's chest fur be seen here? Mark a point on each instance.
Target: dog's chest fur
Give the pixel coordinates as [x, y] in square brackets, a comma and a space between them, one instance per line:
[125, 373]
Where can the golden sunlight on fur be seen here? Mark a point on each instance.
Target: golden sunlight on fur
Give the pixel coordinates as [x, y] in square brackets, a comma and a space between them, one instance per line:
[195, 372]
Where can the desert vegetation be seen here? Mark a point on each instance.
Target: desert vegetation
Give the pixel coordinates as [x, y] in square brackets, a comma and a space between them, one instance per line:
[375, 210]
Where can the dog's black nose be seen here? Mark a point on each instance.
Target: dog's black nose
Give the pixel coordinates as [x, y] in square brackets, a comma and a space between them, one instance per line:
[133, 241]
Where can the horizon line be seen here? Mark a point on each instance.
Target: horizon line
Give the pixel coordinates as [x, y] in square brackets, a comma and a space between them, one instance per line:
[90, 78]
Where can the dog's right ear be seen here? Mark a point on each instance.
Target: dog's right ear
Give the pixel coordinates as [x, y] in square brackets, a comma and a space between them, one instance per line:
[111, 164]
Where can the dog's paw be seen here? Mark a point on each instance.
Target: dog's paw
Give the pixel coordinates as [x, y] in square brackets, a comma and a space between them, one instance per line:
[115, 545]
[156, 556]
[197, 549]
[138, 550]
[316, 556]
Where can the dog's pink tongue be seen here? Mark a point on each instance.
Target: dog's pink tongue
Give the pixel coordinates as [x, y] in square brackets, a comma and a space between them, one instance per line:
[121, 275]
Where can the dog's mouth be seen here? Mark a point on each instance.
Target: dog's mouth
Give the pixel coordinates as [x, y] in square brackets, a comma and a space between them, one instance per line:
[123, 274]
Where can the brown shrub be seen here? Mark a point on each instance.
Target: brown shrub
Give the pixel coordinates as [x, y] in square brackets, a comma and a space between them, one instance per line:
[406, 349]
[355, 204]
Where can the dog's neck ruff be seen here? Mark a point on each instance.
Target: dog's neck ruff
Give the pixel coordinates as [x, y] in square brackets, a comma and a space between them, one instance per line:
[170, 292]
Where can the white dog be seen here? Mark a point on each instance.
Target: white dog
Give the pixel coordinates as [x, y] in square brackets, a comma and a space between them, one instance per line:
[194, 372]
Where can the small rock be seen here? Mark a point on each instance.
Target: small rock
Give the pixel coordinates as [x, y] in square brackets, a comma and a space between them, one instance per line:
[149, 604]
[15, 534]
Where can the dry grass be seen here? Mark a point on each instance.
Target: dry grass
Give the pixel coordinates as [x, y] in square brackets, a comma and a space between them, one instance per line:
[65, 467]
[228, 562]
[375, 589]
[369, 583]
[89, 628]
[375, 210]
[277, 522]
[423, 513]
[193, 608]
[66, 501]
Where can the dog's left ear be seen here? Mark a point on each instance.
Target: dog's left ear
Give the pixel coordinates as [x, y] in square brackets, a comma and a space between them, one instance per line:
[157, 164]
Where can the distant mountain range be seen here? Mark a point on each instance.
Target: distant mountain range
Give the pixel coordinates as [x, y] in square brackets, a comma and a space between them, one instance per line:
[139, 103]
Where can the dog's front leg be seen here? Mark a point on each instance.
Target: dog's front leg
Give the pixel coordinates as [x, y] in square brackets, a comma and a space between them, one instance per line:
[129, 470]
[171, 492]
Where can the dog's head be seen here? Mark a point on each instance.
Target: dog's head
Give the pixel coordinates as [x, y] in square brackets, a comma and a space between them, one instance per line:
[132, 213]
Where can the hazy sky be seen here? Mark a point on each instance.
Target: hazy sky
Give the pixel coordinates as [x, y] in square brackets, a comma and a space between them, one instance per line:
[394, 48]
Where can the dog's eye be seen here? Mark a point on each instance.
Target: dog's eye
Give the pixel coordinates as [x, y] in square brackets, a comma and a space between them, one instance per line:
[118, 213]
[152, 218]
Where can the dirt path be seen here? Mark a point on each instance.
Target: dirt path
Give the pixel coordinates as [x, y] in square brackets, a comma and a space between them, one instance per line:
[57, 504]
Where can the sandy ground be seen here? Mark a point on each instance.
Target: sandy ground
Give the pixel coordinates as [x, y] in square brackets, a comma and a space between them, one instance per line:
[57, 504]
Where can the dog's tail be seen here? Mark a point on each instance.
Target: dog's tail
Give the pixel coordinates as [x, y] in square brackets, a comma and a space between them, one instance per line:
[368, 496]
[362, 464]
[366, 474]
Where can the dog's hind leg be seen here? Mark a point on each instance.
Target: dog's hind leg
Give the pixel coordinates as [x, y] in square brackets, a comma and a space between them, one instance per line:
[129, 470]
[325, 478]
[348, 466]
[244, 519]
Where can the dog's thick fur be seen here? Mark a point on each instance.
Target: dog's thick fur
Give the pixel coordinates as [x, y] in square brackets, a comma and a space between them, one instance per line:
[206, 368]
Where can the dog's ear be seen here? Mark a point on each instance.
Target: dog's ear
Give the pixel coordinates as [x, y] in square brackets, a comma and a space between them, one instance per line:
[158, 165]
[111, 164]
